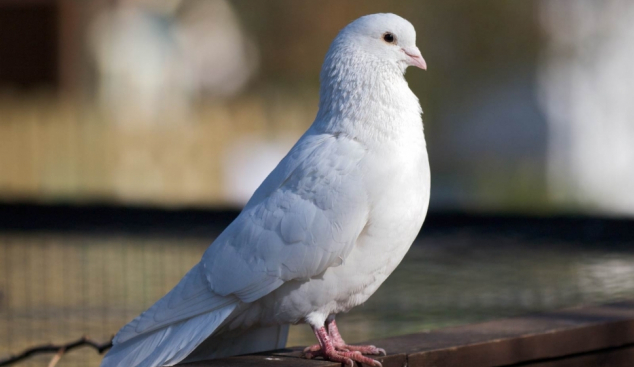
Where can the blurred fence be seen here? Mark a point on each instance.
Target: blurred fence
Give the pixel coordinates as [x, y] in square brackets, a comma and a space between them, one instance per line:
[56, 286]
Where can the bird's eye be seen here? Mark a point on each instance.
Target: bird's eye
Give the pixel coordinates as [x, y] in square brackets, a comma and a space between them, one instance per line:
[389, 38]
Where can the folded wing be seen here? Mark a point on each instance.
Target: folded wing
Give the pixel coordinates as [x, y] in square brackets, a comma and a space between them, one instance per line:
[304, 218]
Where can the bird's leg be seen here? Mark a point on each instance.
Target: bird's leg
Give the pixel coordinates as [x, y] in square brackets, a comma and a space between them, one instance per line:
[327, 349]
[316, 349]
[337, 340]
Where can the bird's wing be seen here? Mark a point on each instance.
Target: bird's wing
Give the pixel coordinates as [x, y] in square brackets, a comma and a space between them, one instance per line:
[305, 217]
[173, 327]
[192, 296]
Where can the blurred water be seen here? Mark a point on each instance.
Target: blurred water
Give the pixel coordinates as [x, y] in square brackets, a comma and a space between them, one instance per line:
[57, 287]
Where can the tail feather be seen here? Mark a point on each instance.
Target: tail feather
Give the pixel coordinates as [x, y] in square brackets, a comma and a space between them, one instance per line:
[191, 297]
[166, 346]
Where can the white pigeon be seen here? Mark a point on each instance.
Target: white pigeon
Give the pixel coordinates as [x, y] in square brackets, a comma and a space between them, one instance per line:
[322, 232]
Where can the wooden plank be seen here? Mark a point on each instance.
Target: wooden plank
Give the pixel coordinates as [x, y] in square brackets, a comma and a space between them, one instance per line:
[521, 339]
[622, 357]
[262, 360]
[391, 360]
[553, 337]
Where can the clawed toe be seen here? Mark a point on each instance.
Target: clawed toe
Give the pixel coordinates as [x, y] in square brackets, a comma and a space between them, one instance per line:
[364, 349]
[347, 357]
[336, 350]
[312, 351]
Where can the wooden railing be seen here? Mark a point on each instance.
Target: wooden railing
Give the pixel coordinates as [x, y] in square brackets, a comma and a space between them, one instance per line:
[587, 336]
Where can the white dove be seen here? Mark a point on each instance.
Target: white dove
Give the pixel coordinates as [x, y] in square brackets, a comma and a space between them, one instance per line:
[322, 232]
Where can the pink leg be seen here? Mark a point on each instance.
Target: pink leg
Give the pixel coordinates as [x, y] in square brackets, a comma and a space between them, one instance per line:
[328, 351]
[332, 347]
[341, 345]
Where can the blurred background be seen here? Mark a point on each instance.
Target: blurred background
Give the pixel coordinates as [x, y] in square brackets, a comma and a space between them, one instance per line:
[132, 131]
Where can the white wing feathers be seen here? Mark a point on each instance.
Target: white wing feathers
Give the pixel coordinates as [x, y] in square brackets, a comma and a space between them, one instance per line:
[304, 218]
[296, 225]
[173, 327]
[169, 345]
[191, 297]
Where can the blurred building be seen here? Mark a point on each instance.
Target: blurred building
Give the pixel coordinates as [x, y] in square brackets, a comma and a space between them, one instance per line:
[192, 102]
[155, 58]
[71, 69]
[64, 44]
[587, 89]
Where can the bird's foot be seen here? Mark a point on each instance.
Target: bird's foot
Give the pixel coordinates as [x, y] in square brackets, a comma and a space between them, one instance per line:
[332, 348]
[363, 349]
[343, 354]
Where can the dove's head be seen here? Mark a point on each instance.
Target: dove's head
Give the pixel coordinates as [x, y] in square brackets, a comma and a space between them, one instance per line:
[362, 76]
[382, 38]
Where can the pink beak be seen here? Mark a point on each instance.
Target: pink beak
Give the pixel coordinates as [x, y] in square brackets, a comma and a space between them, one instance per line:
[415, 58]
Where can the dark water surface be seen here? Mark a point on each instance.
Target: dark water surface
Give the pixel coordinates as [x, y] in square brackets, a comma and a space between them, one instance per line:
[55, 287]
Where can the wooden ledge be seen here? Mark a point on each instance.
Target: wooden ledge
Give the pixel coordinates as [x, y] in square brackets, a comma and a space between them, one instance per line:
[585, 336]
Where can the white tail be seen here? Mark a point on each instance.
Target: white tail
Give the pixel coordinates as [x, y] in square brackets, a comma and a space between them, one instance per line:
[166, 346]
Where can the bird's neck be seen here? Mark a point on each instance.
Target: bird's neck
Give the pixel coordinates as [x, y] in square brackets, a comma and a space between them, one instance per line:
[365, 98]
